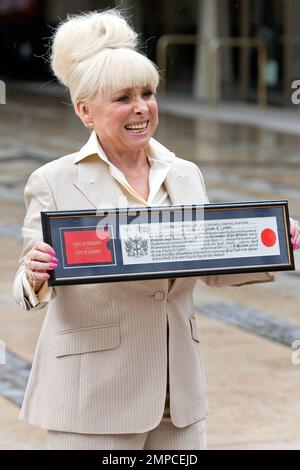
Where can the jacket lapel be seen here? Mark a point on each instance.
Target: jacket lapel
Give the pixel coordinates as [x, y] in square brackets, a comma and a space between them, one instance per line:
[96, 184]
[175, 185]
[180, 189]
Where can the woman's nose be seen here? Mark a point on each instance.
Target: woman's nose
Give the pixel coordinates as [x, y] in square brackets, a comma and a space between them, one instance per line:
[140, 106]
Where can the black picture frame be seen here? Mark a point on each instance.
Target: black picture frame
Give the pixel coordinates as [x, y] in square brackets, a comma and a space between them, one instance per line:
[169, 241]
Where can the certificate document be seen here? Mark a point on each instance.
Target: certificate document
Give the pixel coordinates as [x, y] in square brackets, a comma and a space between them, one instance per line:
[119, 244]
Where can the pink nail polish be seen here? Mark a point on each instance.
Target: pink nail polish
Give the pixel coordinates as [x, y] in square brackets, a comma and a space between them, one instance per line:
[52, 265]
[51, 251]
[54, 260]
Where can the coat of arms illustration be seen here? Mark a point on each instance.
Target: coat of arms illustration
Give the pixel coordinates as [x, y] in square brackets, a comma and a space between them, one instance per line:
[136, 247]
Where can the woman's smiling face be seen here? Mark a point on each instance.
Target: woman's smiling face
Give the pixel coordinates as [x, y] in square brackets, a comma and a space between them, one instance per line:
[125, 120]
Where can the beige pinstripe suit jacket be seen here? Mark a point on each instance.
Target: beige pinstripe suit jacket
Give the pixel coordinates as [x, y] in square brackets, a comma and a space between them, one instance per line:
[101, 359]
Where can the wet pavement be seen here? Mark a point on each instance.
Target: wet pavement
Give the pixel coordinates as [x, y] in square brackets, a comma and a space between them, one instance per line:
[246, 332]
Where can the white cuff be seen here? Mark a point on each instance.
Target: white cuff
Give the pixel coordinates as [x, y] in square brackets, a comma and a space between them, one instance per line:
[29, 292]
[43, 295]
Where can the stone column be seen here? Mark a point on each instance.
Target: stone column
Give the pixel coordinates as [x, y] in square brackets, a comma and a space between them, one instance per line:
[207, 30]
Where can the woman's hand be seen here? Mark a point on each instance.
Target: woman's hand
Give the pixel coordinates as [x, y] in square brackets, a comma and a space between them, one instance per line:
[38, 261]
[295, 233]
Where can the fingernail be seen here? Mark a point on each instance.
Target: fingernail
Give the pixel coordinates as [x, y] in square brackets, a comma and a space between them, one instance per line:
[51, 251]
[52, 265]
[46, 276]
[54, 260]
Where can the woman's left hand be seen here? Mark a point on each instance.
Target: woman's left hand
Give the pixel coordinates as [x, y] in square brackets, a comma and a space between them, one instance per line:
[295, 233]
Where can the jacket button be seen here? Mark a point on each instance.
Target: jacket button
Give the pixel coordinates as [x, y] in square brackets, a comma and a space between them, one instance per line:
[159, 295]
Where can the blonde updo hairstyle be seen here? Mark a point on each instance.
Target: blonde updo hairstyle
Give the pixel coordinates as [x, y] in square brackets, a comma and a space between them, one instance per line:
[93, 52]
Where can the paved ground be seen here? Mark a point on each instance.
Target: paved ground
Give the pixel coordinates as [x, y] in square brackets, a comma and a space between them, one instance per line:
[246, 332]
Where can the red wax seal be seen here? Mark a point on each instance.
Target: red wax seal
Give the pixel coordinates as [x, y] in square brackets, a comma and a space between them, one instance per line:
[268, 237]
[87, 246]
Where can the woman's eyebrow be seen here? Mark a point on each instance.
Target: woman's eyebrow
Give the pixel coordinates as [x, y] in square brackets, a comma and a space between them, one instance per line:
[125, 90]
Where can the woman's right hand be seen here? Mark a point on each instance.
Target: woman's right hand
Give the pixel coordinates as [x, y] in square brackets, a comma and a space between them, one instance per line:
[40, 259]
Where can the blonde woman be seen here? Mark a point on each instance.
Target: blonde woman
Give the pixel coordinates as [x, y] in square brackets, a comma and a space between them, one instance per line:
[117, 365]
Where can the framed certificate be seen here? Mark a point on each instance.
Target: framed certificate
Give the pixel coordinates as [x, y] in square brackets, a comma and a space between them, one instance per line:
[169, 241]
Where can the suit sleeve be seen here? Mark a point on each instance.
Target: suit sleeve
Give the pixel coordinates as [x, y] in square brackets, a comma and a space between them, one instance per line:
[38, 197]
[223, 280]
